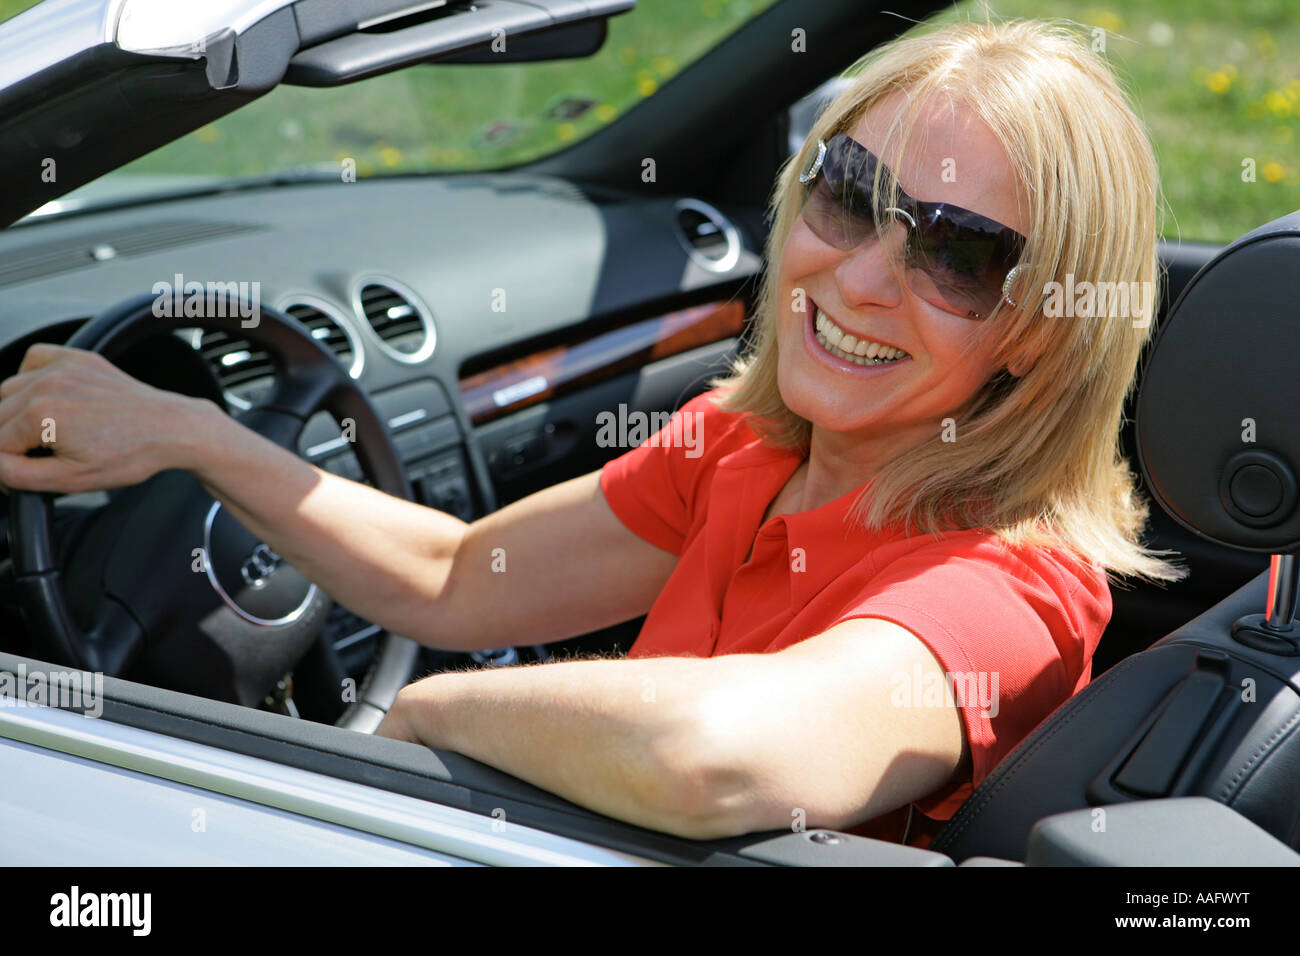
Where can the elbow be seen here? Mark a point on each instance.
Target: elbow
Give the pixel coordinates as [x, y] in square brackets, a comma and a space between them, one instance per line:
[732, 774]
[725, 802]
[711, 788]
[699, 808]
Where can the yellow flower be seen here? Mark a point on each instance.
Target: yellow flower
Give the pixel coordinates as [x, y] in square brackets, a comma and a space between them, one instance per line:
[605, 112]
[1273, 171]
[664, 66]
[1108, 21]
[208, 134]
[565, 131]
[390, 155]
[1218, 82]
[1278, 104]
[647, 87]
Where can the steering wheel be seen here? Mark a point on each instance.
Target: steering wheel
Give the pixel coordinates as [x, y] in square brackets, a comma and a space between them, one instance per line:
[163, 580]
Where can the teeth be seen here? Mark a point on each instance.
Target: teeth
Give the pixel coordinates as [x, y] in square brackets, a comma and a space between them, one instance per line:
[842, 345]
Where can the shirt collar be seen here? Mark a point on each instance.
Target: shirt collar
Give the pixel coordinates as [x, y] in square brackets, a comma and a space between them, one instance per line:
[754, 475]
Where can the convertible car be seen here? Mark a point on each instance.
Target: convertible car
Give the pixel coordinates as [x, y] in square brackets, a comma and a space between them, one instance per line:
[170, 690]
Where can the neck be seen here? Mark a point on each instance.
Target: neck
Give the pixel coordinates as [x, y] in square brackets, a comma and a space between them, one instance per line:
[839, 462]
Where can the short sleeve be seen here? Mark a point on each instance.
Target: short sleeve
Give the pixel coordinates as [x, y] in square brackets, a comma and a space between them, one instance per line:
[657, 489]
[1014, 632]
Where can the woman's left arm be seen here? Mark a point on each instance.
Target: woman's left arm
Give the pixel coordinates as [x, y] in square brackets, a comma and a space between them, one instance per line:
[709, 747]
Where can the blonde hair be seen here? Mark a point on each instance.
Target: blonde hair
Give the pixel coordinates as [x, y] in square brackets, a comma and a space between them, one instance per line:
[1038, 459]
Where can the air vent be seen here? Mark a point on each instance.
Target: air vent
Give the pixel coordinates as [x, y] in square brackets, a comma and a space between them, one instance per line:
[707, 235]
[245, 371]
[330, 329]
[401, 323]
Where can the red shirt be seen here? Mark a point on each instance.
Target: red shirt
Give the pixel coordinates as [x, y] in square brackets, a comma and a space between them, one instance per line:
[1028, 618]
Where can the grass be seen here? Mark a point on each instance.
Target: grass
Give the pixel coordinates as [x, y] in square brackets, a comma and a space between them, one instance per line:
[1217, 83]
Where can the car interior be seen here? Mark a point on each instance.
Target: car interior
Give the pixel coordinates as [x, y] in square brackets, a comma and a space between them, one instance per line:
[632, 293]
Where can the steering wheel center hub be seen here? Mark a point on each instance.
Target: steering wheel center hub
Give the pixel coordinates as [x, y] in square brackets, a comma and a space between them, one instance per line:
[251, 579]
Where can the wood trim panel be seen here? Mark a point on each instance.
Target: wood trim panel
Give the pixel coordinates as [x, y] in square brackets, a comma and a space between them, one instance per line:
[552, 372]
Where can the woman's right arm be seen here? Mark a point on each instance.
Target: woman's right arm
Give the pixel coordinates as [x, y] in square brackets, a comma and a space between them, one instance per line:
[554, 565]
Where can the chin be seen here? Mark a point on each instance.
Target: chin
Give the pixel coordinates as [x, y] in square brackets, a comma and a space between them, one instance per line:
[819, 401]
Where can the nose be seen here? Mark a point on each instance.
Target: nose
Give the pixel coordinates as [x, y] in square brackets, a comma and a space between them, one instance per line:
[871, 275]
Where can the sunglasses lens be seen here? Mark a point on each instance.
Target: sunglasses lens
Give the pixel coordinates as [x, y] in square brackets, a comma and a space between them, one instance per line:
[964, 259]
[837, 205]
[828, 218]
[952, 253]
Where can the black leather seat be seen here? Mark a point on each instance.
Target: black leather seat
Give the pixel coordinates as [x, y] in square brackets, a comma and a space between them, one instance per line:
[1212, 709]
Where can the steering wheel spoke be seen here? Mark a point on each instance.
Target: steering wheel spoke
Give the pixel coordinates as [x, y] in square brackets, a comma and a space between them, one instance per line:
[111, 644]
[280, 427]
[115, 638]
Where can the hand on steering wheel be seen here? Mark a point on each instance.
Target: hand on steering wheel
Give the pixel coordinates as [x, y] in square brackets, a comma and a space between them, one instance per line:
[132, 593]
[121, 435]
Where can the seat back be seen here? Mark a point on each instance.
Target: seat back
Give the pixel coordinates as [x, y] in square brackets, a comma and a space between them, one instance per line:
[1145, 612]
[1212, 709]
[1198, 714]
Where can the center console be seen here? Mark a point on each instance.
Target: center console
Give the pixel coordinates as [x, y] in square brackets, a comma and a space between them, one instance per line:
[428, 438]
[439, 462]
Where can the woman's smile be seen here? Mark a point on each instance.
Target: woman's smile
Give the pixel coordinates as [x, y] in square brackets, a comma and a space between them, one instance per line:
[829, 344]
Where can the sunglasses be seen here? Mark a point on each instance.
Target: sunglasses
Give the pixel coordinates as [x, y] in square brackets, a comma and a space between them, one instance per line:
[967, 260]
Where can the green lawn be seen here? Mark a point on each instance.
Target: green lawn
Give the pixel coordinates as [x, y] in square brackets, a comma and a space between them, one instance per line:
[1217, 82]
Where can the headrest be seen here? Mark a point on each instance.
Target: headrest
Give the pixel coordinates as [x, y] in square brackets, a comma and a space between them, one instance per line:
[1218, 410]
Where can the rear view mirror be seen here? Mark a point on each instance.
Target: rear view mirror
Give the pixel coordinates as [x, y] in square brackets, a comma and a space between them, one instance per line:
[560, 43]
[454, 31]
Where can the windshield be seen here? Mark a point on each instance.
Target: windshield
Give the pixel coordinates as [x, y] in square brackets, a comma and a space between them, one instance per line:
[442, 118]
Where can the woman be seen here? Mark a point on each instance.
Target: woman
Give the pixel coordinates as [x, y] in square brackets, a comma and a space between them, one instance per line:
[888, 559]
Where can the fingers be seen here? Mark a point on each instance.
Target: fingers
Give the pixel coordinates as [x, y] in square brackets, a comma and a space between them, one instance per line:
[18, 472]
[35, 368]
[14, 384]
[13, 404]
[19, 433]
[43, 353]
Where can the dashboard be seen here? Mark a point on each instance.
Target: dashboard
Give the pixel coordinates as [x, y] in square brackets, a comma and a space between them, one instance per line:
[489, 317]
